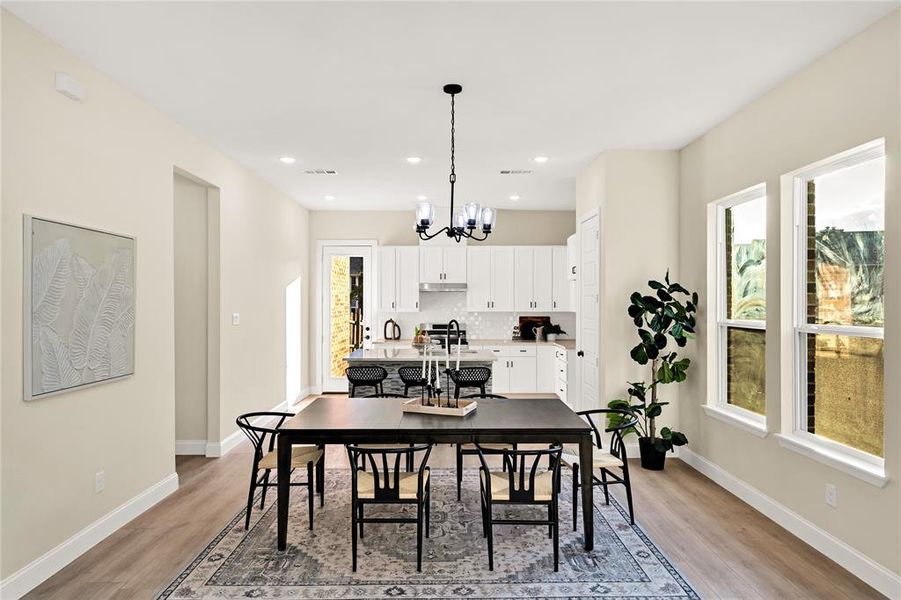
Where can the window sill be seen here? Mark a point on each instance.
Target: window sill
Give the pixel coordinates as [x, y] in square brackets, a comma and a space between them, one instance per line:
[865, 471]
[736, 420]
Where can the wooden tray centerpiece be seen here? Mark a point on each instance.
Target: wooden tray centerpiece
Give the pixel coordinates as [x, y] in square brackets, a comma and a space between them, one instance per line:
[441, 406]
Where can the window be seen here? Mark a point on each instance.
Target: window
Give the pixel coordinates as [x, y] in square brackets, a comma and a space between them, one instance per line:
[739, 293]
[839, 223]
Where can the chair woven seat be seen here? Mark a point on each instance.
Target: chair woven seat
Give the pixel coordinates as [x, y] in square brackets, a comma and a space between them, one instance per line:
[300, 456]
[408, 484]
[500, 485]
[600, 458]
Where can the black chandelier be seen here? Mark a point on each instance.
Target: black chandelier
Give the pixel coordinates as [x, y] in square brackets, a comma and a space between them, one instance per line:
[464, 223]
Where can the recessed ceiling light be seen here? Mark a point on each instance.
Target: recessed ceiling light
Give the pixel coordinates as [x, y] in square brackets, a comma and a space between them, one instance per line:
[329, 197]
[540, 159]
[422, 197]
[414, 160]
[514, 197]
[288, 160]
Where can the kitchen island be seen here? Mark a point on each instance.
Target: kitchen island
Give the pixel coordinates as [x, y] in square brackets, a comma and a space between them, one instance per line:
[392, 359]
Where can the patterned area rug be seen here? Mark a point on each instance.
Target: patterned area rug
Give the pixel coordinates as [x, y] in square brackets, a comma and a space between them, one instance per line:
[239, 564]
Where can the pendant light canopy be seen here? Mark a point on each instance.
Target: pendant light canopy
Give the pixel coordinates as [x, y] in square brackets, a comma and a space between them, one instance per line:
[470, 217]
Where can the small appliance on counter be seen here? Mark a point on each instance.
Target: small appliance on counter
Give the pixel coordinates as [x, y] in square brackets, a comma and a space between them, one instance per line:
[516, 333]
[531, 327]
[391, 330]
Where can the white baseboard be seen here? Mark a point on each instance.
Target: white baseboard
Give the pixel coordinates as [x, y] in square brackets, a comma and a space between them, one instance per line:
[192, 447]
[220, 449]
[42, 568]
[881, 578]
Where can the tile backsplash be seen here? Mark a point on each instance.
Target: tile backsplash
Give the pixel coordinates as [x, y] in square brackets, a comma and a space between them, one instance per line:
[441, 307]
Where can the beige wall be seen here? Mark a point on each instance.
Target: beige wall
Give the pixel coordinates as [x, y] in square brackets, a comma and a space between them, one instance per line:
[848, 97]
[637, 194]
[538, 227]
[191, 264]
[108, 162]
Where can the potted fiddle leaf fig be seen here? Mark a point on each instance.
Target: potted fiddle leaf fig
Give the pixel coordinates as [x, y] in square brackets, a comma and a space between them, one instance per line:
[665, 318]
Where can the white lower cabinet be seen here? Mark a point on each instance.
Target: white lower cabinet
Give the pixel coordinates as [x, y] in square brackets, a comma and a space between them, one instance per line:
[524, 368]
[546, 369]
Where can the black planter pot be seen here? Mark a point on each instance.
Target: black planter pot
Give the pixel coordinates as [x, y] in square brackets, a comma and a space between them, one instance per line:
[651, 458]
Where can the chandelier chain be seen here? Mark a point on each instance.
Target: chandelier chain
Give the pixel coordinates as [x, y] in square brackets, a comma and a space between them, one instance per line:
[453, 131]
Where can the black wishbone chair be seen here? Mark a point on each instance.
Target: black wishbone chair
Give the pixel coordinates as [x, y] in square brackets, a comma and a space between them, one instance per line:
[384, 483]
[603, 460]
[388, 395]
[470, 449]
[265, 459]
[521, 483]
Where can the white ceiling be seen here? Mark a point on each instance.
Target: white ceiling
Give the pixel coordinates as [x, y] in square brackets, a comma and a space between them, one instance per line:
[356, 87]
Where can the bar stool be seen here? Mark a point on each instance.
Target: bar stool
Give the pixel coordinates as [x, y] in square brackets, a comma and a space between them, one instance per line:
[365, 376]
[470, 377]
[412, 377]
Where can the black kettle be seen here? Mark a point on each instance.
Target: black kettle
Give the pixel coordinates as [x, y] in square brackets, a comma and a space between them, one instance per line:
[391, 330]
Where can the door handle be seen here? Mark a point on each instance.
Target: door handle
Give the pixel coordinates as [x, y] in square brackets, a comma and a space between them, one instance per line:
[580, 353]
[365, 337]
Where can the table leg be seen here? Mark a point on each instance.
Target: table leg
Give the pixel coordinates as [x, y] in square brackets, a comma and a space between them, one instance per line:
[586, 464]
[284, 488]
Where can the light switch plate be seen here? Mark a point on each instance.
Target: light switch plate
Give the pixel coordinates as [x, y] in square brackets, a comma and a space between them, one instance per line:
[236, 318]
[831, 495]
[99, 481]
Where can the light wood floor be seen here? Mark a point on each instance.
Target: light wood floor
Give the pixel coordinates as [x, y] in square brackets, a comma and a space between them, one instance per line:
[724, 548]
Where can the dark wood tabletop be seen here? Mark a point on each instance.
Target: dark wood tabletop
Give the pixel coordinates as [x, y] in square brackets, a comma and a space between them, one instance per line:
[341, 420]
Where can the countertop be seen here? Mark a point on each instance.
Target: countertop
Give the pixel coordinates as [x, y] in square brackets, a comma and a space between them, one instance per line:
[566, 344]
[413, 356]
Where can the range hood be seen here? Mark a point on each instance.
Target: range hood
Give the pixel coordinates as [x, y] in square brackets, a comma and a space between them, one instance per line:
[442, 287]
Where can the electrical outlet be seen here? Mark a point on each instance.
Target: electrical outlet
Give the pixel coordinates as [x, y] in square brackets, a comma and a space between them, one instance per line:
[831, 495]
[236, 319]
[99, 481]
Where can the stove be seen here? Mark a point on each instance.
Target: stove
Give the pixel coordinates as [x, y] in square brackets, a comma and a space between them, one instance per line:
[438, 333]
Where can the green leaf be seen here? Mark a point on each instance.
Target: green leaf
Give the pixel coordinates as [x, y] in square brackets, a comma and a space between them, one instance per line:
[660, 341]
[663, 295]
[619, 403]
[654, 411]
[651, 351]
[655, 285]
[665, 373]
[635, 311]
[639, 354]
[635, 298]
[645, 336]
[679, 438]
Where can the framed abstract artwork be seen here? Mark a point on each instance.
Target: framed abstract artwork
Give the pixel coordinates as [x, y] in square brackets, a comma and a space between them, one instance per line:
[79, 304]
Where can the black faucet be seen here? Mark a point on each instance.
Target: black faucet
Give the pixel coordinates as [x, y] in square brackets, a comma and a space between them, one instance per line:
[455, 324]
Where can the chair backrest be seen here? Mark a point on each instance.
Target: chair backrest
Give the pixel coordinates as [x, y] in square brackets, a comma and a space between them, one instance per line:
[498, 396]
[617, 447]
[411, 375]
[471, 376]
[520, 488]
[367, 374]
[385, 395]
[384, 465]
[257, 434]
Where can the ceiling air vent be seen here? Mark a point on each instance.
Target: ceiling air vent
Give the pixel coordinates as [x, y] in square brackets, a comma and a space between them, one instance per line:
[321, 172]
[516, 172]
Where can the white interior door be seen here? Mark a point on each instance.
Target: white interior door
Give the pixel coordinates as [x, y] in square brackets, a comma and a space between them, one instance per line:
[347, 305]
[589, 313]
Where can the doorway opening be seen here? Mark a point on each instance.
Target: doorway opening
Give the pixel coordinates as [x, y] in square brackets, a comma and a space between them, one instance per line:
[345, 308]
[196, 293]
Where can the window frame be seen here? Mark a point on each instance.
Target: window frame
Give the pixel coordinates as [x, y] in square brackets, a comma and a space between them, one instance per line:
[717, 405]
[794, 433]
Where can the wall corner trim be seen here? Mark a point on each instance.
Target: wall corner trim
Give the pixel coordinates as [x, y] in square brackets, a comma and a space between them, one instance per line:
[874, 574]
[220, 449]
[42, 568]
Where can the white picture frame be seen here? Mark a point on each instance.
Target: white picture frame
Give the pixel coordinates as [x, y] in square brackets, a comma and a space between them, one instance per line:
[79, 302]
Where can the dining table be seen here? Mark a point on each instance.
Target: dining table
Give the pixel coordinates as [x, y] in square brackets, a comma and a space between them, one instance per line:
[342, 420]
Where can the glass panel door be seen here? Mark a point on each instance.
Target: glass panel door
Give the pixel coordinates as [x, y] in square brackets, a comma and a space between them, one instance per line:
[346, 309]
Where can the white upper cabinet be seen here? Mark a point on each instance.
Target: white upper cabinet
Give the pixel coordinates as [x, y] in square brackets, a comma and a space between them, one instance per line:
[455, 264]
[407, 259]
[533, 276]
[478, 279]
[399, 278]
[442, 264]
[502, 278]
[489, 282]
[560, 282]
[387, 278]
